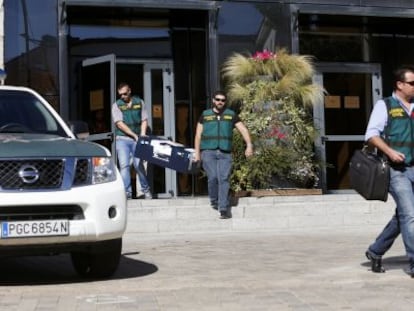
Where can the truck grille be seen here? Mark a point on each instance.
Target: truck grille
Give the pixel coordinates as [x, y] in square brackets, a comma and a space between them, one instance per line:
[42, 212]
[82, 173]
[43, 174]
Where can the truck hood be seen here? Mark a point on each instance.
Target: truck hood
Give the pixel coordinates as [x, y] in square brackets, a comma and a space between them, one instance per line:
[22, 145]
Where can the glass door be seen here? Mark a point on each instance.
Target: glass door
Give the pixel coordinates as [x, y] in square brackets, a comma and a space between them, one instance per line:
[158, 93]
[98, 94]
[351, 90]
[151, 80]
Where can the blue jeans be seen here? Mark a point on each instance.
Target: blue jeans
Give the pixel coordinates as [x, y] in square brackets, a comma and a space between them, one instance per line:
[401, 189]
[125, 149]
[217, 165]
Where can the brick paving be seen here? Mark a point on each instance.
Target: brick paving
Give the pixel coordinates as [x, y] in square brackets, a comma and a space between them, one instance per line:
[302, 270]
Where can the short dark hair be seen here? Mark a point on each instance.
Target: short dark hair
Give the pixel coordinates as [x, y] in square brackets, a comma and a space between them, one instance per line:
[122, 84]
[219, 92]
[399, 73]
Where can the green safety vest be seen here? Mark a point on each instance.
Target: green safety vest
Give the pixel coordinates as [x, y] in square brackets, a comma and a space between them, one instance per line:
[217, 130]
[399, 132]
[130, 116]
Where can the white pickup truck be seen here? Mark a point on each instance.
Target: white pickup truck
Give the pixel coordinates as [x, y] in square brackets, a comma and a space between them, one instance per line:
[58, 194]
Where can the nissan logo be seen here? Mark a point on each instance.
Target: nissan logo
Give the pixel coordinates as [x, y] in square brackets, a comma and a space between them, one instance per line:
[29, 174]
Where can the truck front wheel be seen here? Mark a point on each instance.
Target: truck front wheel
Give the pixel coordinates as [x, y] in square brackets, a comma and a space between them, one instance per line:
[98, 263]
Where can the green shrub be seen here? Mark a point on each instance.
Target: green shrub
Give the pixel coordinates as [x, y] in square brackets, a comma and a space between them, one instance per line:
[275, 95]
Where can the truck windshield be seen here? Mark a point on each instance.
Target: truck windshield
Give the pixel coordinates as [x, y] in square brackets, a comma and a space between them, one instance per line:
[22, 112]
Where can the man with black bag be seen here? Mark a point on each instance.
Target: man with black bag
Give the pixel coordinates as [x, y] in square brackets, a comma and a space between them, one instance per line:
[391, 131]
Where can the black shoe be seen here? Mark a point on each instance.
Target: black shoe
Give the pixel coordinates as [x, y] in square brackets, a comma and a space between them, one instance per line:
[224, 215]
[214, 206]
[411, 271]
[376, 263]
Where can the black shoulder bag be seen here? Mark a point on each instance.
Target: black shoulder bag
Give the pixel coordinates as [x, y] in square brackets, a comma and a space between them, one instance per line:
[370, 173]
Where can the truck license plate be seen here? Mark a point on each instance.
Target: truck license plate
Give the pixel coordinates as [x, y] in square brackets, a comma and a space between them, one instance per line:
[37, 228]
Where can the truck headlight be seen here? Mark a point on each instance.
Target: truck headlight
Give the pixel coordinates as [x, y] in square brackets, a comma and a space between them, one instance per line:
[103, 170]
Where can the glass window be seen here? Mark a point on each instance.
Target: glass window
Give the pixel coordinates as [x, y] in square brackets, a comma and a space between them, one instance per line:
[331, 37]
[31, 46]
[343, 38]
[252, 26]
[352, 92]
[124, 31]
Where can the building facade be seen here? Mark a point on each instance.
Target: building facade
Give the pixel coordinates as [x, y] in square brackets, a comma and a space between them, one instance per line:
[74, 52]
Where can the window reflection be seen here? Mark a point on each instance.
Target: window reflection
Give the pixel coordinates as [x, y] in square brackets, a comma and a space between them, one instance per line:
[31, 49]
[125, 32]
[355, 38]
[239, 19]
[27, 23]
[251, 26]
[83, 32]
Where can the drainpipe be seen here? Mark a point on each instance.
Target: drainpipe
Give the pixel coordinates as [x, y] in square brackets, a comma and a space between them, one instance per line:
[2, 37]
[27, 44]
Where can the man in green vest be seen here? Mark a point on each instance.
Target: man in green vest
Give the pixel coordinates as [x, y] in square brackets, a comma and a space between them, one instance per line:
[213, 145]
[130, 118]
[391, 131]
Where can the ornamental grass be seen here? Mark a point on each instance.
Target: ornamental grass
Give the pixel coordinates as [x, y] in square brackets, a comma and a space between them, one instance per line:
[274, 95]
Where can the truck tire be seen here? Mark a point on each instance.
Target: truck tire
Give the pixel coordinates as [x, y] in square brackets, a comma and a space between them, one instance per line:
[99, 263]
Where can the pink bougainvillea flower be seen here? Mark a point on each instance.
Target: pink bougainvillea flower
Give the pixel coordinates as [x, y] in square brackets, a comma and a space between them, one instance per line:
[264, 55]
[275, 132]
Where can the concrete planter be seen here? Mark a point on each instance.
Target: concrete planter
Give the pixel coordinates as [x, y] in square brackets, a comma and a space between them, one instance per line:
[277, 192]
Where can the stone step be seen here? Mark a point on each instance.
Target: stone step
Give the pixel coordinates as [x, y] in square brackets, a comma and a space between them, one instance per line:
[267, 213]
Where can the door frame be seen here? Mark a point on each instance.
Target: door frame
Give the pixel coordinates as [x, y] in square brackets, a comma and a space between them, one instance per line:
[168, 98]
[319, 109]
[166, 65]
[111, 59]
[168, 81]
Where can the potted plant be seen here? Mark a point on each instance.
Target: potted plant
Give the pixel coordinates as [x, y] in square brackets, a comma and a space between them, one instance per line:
[274, 94]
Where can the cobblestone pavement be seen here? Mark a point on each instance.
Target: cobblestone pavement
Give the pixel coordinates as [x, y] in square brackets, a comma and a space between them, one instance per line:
[307, 270]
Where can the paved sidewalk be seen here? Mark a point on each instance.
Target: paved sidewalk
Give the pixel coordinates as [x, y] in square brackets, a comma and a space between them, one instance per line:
[296, 270]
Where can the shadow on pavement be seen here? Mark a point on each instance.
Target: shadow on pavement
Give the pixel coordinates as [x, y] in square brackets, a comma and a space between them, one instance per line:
[42, 270]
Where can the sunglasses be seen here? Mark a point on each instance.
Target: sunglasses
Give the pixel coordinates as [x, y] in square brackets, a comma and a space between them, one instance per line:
[409, 82]
[223, 100]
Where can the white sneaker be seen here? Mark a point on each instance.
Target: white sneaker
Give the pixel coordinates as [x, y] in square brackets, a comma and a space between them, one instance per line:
[148, 195]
